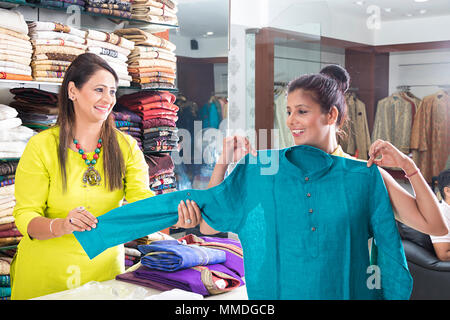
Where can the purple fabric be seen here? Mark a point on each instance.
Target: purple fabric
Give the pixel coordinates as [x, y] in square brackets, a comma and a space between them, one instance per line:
[131, 278]
[186, 279]
[234, 262]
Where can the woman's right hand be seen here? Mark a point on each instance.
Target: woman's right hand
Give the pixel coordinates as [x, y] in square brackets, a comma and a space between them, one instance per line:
[78, 219]
[234, 149]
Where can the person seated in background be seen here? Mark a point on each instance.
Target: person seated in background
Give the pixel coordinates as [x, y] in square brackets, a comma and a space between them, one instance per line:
[442, 244]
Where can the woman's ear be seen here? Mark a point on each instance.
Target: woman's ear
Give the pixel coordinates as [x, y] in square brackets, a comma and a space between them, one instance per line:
[333, 115]
[71, 90]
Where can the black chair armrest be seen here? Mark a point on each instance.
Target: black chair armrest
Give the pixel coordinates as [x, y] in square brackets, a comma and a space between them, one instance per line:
[423, 257]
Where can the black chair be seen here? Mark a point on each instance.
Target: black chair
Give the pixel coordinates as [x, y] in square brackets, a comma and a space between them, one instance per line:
[431, 276]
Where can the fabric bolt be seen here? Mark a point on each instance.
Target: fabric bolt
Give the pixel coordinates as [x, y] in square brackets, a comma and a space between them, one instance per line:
[123, 114]
[154, 79]
[152, 123]
[107, 45]
[108, 52]
[9, 64]
[9, 190]
[39, 167]
[14, 35]
[204, 280]
[148, 63]
[40, 49]
[10, 233]
[13, 20]
[50, 68]
[125, 6]
[20, 133]
[15, 71]
[134, 100]
[171, 255]
[52, 35]
[4, 267]
[7, 168]
[279, 253]
[152, 69]
[56, 27]
[9, 46]
[162, 128]
[159, 164]
[17, 54]
[49, 74]
[232, 248]
[7, 226]
[155, 18]
[6, 112]
[140, 37]
[59, 4]
[62, 63]
[110, 38]
[143, 50]
[6, 219]
[110, 12]
[14, 58]
[5, 281]
[59, 42]
[55, 56]
[156, 86]
[10, 123]
[11, 76]
[15, 41]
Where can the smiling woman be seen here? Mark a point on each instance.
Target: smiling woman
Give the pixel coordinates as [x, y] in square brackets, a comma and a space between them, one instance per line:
[70, 174]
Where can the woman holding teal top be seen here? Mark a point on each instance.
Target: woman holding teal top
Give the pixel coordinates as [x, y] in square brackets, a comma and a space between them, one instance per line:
[314, 122]
[67, 177]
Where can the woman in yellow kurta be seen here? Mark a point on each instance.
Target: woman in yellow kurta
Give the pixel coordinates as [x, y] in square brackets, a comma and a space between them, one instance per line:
[53, 200]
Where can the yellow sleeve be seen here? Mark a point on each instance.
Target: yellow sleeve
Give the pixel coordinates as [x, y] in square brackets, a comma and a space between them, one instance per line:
[136, 182]
[31, 186]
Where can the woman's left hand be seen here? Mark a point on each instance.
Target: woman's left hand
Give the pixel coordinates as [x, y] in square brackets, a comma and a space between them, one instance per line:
[189, 215]
[390, 156]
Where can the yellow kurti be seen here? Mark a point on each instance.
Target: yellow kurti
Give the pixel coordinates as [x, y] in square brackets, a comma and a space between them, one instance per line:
[42, 267]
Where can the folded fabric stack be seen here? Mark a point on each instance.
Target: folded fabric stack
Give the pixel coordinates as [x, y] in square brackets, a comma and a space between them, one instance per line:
[63, 4]
[128, 122]
[114, 49]
[152, 63]
[161, 173]
[55, 46]
[37, 108]
[13, 137]
[133, 255]
[5, 277]
[155, 11]
[159, 114]
[203, 265]
[15, 47]
[116, 8]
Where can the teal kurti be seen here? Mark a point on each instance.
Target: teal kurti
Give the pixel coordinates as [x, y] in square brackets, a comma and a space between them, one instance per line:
[304, 218]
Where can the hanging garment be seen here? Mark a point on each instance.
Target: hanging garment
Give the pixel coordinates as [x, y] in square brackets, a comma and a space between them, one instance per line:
[292, 228]
[393, 122]
[430, 136]
[357, 136]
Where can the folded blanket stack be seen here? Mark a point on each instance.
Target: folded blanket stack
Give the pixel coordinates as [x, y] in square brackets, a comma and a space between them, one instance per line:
[114, 49]
[116, 8]
[203, 265]
[128, 122]
[37, 108]
[159, 114]
[62, 4]
[15, 47]
[13, 138]
[152, 63]
[55, 46]
[161, 173]
[155, 11]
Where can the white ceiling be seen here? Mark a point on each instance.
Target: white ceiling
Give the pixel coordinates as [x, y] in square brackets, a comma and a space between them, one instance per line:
[196, 17]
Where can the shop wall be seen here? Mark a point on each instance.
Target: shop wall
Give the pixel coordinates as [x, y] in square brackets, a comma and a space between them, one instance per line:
[428, 68]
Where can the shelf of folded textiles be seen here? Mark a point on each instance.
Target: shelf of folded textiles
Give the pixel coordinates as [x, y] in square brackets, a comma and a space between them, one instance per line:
[30, 82]
[95, 14]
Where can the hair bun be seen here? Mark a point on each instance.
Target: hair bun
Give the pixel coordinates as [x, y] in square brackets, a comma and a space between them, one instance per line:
[339, 74]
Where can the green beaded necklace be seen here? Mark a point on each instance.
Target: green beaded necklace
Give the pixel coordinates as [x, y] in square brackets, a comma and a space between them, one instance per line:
[91, 175]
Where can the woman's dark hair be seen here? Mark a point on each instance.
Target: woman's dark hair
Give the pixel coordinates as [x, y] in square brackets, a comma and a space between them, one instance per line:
[79, 72]
[325, 91]
[443, 181]
[339, 74]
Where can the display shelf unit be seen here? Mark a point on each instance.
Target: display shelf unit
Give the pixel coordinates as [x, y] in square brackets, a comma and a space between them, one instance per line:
[136, 22]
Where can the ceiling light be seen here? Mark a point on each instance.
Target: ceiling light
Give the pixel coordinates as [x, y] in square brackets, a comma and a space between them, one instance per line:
[423, 11]
[209, 33]
[359, 3]
[408, 14]
[388, 9]
[420, 0]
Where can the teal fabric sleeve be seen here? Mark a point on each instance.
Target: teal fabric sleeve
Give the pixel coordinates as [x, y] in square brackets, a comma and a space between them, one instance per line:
[221, 208]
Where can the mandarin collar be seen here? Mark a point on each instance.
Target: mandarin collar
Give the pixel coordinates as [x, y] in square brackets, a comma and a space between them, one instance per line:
[321, 167]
